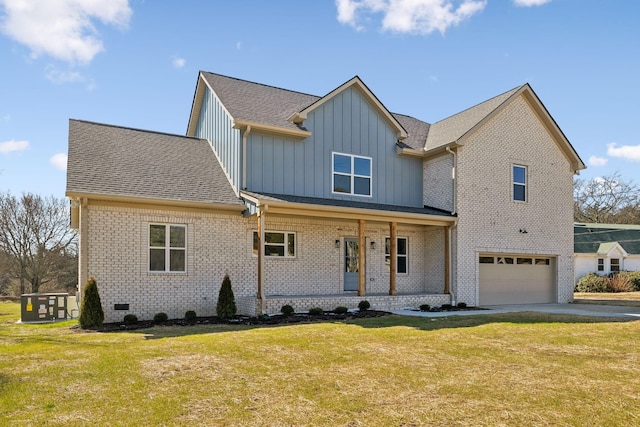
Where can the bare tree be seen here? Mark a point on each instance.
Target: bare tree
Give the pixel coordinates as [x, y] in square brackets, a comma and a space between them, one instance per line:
[35, 233]
[609, 199]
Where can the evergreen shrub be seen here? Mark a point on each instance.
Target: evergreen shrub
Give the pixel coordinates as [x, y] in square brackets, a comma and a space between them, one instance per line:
[130, 319]
[160, 318]
[287, 310]
[91, 313]
[190, 317]
[226, 307]
[364, 305]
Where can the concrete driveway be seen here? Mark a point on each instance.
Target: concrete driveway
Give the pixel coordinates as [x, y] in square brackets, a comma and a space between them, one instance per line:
[577, 309]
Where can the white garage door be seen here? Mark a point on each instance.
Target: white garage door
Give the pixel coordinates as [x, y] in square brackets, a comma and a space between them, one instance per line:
[517, 279]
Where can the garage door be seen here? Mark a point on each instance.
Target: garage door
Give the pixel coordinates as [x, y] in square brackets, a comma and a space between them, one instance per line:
[513, 279]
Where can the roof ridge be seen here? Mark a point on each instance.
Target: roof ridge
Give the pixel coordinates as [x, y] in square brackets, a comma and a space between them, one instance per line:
[260, 84]
[135, 129]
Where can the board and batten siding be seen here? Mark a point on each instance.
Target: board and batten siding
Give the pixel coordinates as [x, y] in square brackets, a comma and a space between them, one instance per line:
[215, 125]
[348, 124]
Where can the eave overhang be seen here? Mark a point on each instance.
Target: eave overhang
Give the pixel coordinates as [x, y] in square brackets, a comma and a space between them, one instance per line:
[259, 127]
[209, 205]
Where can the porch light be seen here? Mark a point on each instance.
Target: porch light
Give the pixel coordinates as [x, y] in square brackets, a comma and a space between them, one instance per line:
[337, 243]
[373, 245]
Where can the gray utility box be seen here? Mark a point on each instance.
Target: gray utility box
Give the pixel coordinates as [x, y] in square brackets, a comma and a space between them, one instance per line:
[43, 307]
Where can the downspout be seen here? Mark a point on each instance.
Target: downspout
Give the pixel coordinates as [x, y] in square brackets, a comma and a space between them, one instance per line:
[246, 133]
[455, 179]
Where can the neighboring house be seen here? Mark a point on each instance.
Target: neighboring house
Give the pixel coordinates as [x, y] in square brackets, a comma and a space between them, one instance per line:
[323, 201]
[605, 248]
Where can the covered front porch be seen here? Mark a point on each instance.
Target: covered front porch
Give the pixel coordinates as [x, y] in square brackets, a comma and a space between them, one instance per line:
[327, 253]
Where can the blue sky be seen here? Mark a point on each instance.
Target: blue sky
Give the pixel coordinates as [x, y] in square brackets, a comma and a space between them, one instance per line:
[134, 63]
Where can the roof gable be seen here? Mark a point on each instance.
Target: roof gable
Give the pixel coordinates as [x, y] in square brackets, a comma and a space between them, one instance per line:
[273, 109]
[456, 129]
[358, 84]
[610, 248]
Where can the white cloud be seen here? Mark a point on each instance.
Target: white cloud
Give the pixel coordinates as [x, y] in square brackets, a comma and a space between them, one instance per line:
[63, 29]
[13, 146]
[629, 152]
[238, 45]
[597, 161]
[410, 16]
[60, 77]
[179, 62]
[530, 3]
[59, 161]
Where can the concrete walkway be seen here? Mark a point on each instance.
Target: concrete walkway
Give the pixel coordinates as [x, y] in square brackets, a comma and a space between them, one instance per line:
[577, 309]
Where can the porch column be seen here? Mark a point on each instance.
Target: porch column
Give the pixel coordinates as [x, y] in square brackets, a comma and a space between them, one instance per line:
[261, 215]
[393, 257]
[447, 259]
[361, 257]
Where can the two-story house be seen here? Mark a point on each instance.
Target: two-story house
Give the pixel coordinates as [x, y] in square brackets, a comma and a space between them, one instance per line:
[323, 201]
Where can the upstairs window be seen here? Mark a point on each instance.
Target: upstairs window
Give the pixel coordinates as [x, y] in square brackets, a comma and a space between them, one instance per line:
[351, 174]
[519, 183]
[167, 248]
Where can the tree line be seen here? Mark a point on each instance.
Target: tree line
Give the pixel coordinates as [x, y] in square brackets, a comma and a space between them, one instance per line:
[39, 250]
[606, 200]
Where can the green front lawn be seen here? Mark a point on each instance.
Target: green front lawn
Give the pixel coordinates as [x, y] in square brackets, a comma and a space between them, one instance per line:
[515, 370]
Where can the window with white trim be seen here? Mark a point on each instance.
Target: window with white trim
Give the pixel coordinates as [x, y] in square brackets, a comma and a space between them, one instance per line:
[615, 265]
[276, 244]
[519, 183]
[402, 254]
[600, 264]
[351, 174]
[167, 248]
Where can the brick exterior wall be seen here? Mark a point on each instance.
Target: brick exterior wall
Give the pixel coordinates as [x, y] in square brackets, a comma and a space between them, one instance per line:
[437, 190]
[489, 220]
[221, 243]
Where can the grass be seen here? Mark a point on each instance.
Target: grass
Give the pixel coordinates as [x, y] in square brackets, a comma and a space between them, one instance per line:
[629, 299]
[488, 370]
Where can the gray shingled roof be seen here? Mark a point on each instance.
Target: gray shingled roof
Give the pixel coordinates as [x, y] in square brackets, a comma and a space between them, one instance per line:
[587, 238]
[269, 105]
[454, 127]
[117, 161]
[348, 204]
[258, 103]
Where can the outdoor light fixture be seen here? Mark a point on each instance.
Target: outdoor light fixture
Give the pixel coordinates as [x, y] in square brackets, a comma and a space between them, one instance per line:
[373, 245]
[337, 243]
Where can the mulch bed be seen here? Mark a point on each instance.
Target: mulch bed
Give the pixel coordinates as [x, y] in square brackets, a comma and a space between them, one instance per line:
[246, 320]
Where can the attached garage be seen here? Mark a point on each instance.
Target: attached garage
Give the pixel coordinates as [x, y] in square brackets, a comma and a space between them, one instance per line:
[517, 279]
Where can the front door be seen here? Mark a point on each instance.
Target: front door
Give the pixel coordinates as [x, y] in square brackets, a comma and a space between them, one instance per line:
[350, 264]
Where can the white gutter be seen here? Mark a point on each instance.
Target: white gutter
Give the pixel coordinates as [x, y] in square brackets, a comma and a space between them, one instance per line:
[454, 178]
[246, 133]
